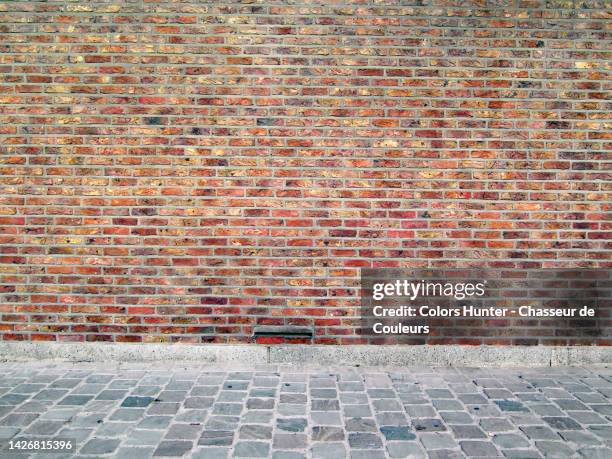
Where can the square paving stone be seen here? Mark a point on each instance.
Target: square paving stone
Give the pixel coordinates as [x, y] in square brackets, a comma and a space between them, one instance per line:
[257, 417]
[75, 400]
[133, 452]
[473, 399]
[413, 399]
[496, 425]
[293, 398]
[587, 417]
[240, 376]
[397, 433]
[127, 414]
[392, 418]
[447, 405]
[18, 419]
[179, 385]
[324, 393]
[326, 418]
[420, 411]
[87, 419]
[139, 437]
[210, 453]
[361, 425]
[571, 405]
[546, 409]
[327, 433]
[65, 383]
[204, 391]
[479, 448]
[99, 379]
[163, 408]
[88, 389]
[41, 427]
[405, 450]
[539, 432]
[510, 440]
[266, 381]
[216, 438]
[594, 453]
[498, 393]
[191, 416]
[173, 448]
[354, 398]
[111, 395]
[292, 424]
[357, 411]
[146, 391]
[251, 449]
[27, 388]
[386, 405]
[439, 393]
[367, 454]
[222, 423]
[100, 446]
[562, 423]
[484, 411]
[438, 440]
[235, 385]
[155, 422]
[555, 449]
[288, 455]
[255, 432]
[201, 403]
[428, 425]
[467, 431]
[456, 417]
[604, 431]
[260, 403]
[13, 399]
[137, 402]
[328, 451]
[112, 429]
[521, 454]
[225, 397]
[325, 405]
[510, 405]
[293, 387]
[262, 393]
[32, 406]
[290, 441]
[226, 408]
[364, 441]
[183, 432]
[580, 438]
[350, 387]
[8, 432]
[592, 398]
[50, 394]
[381, 393]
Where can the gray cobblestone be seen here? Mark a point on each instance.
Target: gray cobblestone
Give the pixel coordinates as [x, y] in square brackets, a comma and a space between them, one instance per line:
[278, 412]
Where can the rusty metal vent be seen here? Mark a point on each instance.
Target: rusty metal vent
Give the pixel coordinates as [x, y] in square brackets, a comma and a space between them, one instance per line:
[283, 331]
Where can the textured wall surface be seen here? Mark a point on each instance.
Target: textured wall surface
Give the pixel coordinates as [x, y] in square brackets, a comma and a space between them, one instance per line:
[185, 170]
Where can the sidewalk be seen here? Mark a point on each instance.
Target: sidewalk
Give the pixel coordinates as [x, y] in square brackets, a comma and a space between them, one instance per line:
[132, 410]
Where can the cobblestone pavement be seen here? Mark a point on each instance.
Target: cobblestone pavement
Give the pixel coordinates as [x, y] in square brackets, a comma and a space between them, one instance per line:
[291, 412]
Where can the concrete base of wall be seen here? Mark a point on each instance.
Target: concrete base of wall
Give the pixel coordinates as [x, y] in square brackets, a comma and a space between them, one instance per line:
[481, 356]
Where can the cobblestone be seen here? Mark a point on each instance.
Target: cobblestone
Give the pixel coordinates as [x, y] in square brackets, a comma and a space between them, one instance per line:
[285, 412]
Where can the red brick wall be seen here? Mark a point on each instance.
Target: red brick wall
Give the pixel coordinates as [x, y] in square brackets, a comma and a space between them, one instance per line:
[184, 170]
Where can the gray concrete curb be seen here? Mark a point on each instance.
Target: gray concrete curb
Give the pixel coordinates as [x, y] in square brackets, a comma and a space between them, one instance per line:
[443, 355]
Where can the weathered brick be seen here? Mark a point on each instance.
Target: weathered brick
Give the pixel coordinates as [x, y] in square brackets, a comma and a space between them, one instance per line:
[182, 171]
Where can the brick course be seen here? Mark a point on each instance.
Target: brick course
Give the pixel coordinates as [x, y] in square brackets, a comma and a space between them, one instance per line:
[183, 170]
